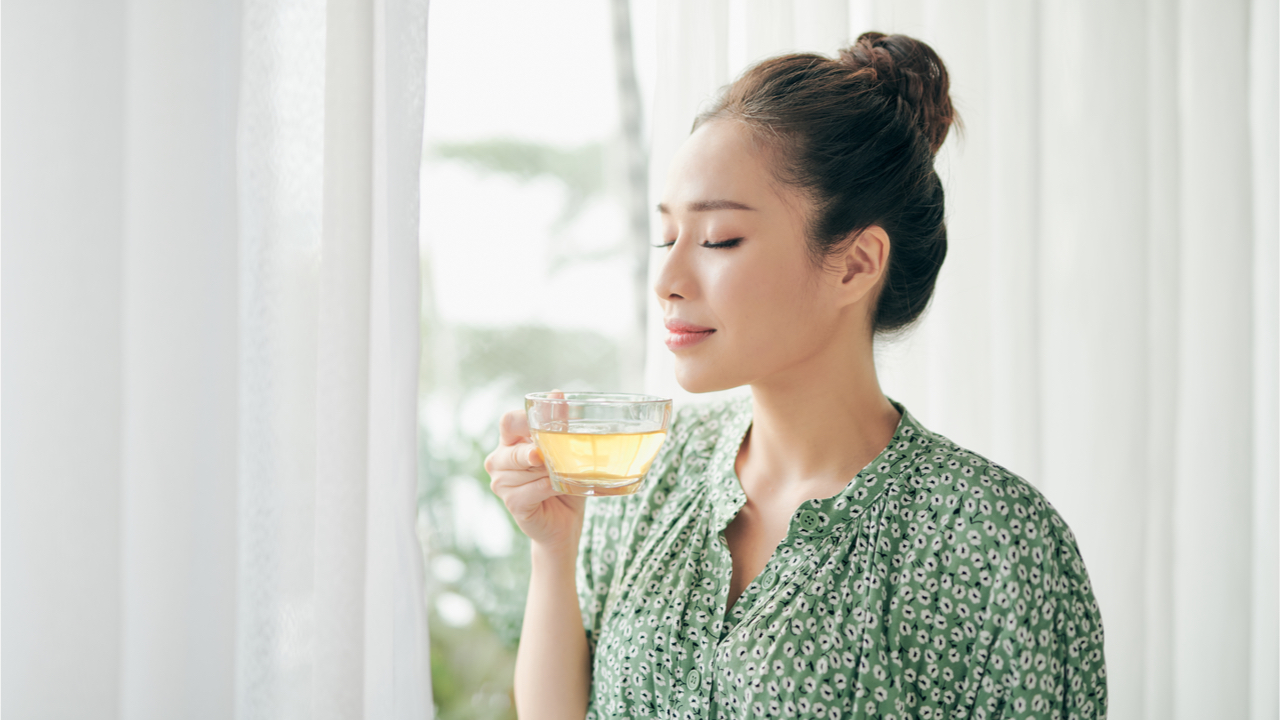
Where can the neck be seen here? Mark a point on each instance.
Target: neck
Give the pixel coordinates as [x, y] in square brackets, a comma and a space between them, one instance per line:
[819, 422]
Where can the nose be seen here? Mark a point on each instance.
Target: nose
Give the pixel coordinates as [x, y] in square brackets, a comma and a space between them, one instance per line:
[674, 281]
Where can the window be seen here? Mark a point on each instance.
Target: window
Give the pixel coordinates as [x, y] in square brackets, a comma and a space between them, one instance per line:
[534, 265]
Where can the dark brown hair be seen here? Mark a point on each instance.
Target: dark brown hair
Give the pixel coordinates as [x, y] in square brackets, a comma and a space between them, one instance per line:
[857, 134]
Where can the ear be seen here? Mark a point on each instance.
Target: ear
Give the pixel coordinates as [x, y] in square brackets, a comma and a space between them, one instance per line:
[863, 264]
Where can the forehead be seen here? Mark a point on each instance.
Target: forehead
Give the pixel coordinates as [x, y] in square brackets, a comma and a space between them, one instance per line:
[722, 161]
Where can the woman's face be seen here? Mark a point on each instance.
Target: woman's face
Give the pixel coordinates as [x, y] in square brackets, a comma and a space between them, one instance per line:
[737, 277]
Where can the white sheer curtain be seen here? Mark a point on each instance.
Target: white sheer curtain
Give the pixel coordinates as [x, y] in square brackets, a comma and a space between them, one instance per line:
[210, 337]
[1106, 322]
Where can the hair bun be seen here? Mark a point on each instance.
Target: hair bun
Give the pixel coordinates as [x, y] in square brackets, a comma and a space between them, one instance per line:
[913, 72]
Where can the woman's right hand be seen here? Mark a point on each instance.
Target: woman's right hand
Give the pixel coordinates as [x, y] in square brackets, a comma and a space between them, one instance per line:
[520, 477]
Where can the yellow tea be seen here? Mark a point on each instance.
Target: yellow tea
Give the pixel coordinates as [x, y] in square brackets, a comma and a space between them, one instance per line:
[586, 462]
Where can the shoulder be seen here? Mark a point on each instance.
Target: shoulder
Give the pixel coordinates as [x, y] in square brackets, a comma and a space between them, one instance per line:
[965, 485]
[994, 529]
[955, 510]
[1002, 555]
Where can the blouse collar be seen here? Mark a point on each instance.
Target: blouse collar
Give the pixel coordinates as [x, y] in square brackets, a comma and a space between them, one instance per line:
[822, 515]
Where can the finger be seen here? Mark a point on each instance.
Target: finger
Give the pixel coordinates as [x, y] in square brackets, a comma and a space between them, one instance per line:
[514, 458]
[521, 456]
[513, 427]
[507, 479]
[561, 411]
[525, 500]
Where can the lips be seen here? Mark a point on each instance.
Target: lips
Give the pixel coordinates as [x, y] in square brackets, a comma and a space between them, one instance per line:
[682, 334]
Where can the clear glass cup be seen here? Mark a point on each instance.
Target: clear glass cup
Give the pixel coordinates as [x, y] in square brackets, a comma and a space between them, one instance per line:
[597, 443]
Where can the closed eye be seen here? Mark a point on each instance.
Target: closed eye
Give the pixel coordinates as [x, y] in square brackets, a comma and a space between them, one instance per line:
[723, 244]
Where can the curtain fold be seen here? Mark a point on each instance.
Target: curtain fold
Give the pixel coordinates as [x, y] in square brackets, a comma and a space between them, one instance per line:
[178, 385]
[332, 615]
[1213, 453]
[1105, 324]
[211, 354]
[397, 671]
[1264, 138]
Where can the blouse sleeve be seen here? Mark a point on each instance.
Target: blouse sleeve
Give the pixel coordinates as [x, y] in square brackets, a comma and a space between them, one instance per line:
[1046, 663]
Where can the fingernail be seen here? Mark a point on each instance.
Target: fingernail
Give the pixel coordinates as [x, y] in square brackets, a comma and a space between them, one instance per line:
[535, 458]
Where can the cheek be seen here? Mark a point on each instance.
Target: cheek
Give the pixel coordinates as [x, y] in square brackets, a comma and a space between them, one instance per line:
[765, 300]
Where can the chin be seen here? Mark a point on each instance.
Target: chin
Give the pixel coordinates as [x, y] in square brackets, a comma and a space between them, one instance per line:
[703, 379]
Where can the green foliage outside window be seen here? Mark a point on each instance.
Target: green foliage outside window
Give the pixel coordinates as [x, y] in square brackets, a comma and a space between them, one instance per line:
[477, 558]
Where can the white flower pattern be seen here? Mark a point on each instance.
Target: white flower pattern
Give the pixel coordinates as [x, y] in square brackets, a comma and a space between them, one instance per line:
[937, 585]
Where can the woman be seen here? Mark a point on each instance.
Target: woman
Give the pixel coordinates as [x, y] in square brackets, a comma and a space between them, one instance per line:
[751, 576]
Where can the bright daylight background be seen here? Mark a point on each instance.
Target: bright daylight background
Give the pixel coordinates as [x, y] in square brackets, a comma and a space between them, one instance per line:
[528, 283]
[275, 267]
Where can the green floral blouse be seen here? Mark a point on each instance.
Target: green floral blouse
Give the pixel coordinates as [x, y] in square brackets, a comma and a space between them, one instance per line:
[936, 585]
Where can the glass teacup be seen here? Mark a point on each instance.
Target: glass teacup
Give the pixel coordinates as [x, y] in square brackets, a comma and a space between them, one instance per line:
[597, 443]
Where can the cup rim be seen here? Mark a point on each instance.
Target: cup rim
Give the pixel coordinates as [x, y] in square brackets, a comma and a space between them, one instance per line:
[597, 398]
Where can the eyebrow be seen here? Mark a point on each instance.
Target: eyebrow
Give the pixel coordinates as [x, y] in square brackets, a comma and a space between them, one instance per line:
[707, 205]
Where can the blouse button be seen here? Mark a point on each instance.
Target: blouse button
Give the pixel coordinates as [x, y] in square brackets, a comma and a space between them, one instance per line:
[693, 679]
[808, 519]
[769, 580]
